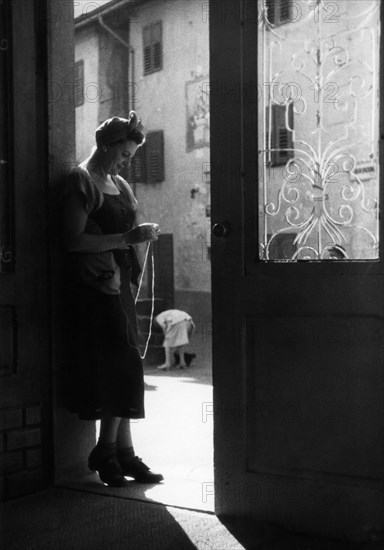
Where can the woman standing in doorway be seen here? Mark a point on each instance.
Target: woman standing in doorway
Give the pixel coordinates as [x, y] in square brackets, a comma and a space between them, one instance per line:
[107, 382]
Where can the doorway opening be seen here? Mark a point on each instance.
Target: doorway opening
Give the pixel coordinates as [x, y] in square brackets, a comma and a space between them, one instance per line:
[153, 57]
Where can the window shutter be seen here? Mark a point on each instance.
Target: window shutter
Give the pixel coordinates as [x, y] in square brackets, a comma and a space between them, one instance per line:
[285, 11]
[279, 11]
[155, 157]
[79, 83]
[270, 4]
[137, 171]
[157, 55]
[156, 45]
[147, 49]
[147, 59]
[281, 136]
[153, 49]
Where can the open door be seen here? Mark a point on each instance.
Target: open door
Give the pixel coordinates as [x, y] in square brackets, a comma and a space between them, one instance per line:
[297, 260]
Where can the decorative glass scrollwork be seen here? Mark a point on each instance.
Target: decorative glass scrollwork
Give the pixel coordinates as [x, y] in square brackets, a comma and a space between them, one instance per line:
[318, 71]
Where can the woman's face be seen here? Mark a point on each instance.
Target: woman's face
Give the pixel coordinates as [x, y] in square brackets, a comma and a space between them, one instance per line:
[119, 155]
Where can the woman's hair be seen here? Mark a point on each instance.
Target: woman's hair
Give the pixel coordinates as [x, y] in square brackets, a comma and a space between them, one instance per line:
[136, 136]
[118, 130]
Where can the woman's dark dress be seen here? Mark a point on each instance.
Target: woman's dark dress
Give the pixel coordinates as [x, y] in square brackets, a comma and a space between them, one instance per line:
[107, 371]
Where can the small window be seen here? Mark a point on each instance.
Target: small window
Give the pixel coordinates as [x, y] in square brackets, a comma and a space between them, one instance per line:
[279, 11]
[281, 137]
[79, 83]
[147, 165]
[153, 49]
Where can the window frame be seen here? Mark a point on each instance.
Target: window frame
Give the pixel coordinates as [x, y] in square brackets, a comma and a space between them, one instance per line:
[250, 125]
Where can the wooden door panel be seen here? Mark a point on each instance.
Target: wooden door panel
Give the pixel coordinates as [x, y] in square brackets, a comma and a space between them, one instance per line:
[304, 412]
[8, 345]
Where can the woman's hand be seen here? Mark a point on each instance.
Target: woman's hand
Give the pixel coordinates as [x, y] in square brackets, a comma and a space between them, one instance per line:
[141, 234]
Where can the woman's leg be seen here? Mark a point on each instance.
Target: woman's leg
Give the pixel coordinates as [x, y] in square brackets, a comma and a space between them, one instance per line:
[124, 445]
[103, 457]
[132, 465]
[109, 426]
[124, 436]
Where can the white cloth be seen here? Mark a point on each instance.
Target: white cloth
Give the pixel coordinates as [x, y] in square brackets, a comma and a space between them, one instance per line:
[177, 326]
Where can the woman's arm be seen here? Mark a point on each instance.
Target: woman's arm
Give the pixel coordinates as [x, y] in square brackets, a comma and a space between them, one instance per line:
[76, 240]
[74, 223]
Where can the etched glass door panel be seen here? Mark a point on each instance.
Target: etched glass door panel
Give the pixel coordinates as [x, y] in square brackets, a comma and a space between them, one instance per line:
[318, 75]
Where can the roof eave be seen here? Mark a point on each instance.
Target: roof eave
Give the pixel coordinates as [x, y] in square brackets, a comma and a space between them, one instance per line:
[88, 18]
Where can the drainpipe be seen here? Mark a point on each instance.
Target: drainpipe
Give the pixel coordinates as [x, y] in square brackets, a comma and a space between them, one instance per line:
[132, 65]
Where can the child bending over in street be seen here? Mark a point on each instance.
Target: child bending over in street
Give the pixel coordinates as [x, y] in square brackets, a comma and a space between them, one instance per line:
[177, 327]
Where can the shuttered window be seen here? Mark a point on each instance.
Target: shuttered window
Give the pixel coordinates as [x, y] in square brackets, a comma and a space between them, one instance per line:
[147, 54]
[152, 48]
[137, 172]
[281, 137]
[147, 165]
[79, 83]
[271, 14]
[285, 10]
[279, 11]
[155, 157]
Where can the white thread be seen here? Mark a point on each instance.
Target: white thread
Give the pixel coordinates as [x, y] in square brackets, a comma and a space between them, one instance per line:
[153, 294]
[143, 270]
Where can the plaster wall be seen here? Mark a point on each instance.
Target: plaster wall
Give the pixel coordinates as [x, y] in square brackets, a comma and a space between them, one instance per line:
[180, 202]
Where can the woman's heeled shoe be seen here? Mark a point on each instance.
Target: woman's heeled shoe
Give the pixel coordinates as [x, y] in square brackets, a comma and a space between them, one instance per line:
[108, 468]
[135, 467]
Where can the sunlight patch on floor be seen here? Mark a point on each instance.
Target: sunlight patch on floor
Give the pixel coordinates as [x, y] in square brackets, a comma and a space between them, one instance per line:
[176, 439]
[217, 531]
